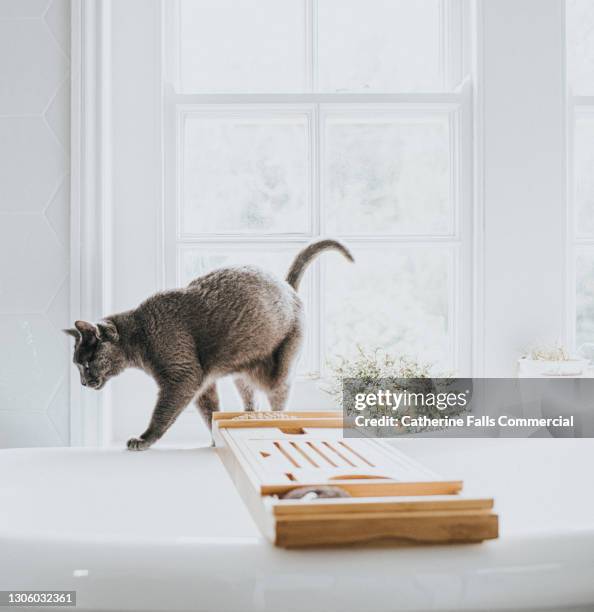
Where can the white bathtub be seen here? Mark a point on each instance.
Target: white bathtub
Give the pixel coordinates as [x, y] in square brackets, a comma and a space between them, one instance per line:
[165, 530]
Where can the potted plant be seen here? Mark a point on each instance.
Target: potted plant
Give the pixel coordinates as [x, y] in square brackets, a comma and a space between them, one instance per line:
[551, 361]
[378, 369]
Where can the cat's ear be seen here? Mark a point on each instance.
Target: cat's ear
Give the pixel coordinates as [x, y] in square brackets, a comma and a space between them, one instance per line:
[88, 331]
[72, 332]
[108, 331]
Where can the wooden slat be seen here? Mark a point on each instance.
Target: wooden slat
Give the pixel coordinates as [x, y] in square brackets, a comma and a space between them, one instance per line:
[314, 414]
[246, 483]
[347, 504]
[455, 528]
[437, 515]
[280, 423]
[374, 488]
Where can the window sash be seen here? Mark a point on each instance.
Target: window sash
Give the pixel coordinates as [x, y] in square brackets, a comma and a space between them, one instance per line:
[454, 43]
[316, 115]
[457, 102]
[459, 107]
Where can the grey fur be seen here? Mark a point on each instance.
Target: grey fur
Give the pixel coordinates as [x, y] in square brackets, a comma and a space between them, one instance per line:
[310, 252]
[238, 321]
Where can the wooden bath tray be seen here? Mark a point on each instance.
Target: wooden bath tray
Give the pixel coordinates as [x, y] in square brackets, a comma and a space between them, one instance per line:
[386, 494]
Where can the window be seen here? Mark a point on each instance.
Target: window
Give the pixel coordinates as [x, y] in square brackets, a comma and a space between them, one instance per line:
[291, 119]
[580, 67]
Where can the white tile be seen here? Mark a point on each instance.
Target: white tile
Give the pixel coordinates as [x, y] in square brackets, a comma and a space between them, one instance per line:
[58, 312]
[58, 212]
[33, 361]
[32, 67]
[58, 21]
[32, 264]
[58, 411]
[32, 164]
[22, 9]
[27, 429]
[58, 115]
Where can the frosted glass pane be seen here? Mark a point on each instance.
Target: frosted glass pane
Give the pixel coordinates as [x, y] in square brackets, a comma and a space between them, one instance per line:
[584, 174]
[245, 175]
[387, 175]
[585, 297]
[379, 45]
[391, 298]
[242, 46]
[580, 46]
[194, 262]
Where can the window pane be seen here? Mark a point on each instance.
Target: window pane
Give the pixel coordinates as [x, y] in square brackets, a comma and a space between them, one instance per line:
[584, 173]
[387, 174]
[395, 298]
[242, 45]
[379, 45]
[584, 296]
[196, 261]
[245, 174]
[580, 46]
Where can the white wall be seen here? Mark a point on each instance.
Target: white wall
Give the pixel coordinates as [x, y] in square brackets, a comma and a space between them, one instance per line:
[524, 160]
[34, 222]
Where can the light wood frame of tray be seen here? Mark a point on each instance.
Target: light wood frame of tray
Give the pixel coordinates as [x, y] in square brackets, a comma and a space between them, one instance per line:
[392, 496]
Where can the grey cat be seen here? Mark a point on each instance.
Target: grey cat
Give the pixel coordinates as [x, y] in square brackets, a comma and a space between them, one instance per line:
[238, 321]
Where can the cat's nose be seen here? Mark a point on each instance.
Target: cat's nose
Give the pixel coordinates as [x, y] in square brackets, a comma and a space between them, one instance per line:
[83, 382]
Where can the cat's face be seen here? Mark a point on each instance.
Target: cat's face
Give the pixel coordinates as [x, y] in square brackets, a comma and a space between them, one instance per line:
[97, 353]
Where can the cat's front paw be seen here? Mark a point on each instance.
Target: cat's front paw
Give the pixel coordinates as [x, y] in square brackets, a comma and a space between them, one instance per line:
[137, 444]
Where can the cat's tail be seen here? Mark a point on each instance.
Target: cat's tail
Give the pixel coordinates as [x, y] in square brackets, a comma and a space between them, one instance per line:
[309, 253]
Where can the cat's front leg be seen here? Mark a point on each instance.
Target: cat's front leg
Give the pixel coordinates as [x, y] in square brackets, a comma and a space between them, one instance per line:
[171, 402]
[137, 444]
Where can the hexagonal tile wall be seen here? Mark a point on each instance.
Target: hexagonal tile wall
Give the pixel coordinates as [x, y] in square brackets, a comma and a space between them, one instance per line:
[34, 222]
[35, 255]
[32, 62]
[32, 163]
[23, 9]
[32, 370]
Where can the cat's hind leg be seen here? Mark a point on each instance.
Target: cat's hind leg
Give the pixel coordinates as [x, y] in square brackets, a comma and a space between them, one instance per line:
[246, 392]
[282, 369]
[207, 402]
[278, 395]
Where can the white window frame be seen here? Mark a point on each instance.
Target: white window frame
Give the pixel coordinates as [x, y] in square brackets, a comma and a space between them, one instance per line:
[520, 181]
[576, 105]
[457, 104]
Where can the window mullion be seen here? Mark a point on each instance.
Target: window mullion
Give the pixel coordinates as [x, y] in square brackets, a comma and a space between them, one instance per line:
[378, 104]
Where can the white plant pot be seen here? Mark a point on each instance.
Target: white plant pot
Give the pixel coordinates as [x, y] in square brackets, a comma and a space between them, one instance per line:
[541, 367]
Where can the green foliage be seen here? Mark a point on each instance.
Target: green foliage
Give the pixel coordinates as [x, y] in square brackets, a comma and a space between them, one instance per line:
[369, 367]
[374, 368]
[549, 353]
